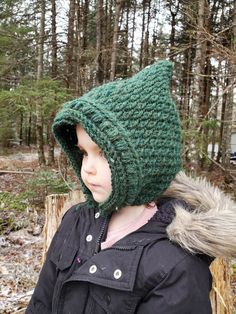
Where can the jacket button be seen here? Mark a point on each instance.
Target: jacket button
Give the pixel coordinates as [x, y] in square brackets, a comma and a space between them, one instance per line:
[89, 238]
[97, 215]
[117, 274]
[93, 269]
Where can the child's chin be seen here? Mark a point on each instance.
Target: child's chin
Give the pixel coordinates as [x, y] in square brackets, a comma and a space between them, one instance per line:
[99, 199]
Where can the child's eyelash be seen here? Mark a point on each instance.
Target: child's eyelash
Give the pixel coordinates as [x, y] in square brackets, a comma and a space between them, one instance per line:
[83, 152]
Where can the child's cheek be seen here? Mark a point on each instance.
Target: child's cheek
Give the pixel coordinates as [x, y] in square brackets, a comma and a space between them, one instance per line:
[107, 177]
[82, 173]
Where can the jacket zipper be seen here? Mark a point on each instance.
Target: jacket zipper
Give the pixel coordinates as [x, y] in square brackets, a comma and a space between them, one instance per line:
[101, 235]
[123, 248]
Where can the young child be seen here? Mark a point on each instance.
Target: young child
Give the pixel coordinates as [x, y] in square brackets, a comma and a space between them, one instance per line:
[144, 239]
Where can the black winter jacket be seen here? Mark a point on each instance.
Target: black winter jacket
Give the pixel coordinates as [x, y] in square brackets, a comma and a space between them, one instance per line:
[142, 273]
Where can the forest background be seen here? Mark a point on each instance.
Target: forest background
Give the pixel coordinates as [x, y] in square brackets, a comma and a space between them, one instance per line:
[53, 51]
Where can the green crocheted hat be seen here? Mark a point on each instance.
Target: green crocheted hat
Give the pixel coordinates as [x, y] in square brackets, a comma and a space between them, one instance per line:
[135, 123]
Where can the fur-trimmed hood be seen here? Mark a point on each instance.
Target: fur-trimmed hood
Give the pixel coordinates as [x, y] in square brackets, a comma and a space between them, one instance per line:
[211, 227]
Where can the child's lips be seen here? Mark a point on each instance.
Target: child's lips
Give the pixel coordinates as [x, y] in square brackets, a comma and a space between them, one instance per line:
[93, 186]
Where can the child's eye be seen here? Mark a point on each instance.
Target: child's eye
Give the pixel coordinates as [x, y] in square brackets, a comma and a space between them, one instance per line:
[101, 153]
[84, 153]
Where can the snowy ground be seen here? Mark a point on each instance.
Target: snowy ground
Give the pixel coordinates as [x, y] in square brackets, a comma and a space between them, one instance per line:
[20, 263]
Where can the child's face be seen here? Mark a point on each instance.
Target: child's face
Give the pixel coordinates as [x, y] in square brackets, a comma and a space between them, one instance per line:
[95, 170]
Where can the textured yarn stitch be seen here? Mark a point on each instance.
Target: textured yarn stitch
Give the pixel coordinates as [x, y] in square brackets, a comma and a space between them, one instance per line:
[135, 122]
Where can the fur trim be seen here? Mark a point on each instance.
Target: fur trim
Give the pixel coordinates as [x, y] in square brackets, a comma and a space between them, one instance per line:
[211, 227]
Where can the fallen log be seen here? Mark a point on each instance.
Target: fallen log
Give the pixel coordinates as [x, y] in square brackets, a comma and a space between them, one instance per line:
[2, 172]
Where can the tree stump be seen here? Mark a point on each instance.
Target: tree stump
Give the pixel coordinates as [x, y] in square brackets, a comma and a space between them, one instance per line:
[55, 207]
[221, 294]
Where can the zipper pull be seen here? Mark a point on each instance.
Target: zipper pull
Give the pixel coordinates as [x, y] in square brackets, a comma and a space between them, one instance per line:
[97, 248]
[101, 235]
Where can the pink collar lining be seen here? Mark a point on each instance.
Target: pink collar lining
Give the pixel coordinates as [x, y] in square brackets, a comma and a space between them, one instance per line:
[115, 235]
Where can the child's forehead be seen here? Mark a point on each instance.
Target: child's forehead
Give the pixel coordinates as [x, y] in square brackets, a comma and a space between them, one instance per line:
[83, 138]
[81, 133]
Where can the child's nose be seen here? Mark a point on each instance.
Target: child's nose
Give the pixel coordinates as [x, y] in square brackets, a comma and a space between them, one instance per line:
[89, 166]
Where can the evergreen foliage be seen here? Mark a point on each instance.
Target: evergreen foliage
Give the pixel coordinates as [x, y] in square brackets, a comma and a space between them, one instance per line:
[51, 52]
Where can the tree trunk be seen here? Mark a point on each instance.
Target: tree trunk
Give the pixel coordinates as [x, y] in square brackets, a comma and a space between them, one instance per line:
[39, 114]
[214, 116]
[54, 73]
[54, 39]
[29, 127]
[51, 142]
[41, 40]
[228, 118]
[78, 84]
[99, 28]
[126, 62]
[174, 9]
[214, 134]
[132, 38]
[70, 44]
[107, 39]
[204, 111]
[197, 95]
[223, 109]
[185, 102]
[143, 35]
[115, 39]
[21, 128]
[85, 25]
[146, 38]
[39, 136]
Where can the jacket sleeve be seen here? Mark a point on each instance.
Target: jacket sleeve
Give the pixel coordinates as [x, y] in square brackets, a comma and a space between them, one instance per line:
[41, 301]
[184, 290]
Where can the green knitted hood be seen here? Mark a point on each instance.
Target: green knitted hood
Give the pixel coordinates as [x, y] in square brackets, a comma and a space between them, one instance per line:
[135, 123]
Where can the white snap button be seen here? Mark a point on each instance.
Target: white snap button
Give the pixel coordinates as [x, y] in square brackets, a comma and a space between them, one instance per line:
[93, 269]
[117, 274]
[89, 238]
[97, 215]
